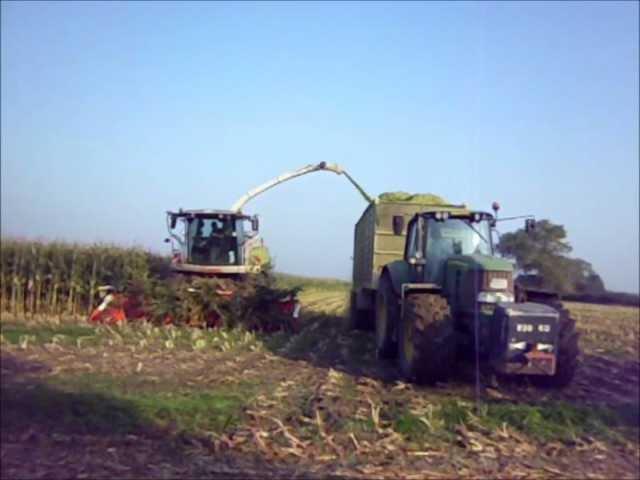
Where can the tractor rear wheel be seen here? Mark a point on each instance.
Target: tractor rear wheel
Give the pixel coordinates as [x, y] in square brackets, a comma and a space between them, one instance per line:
[387, 313]
[427, 339]
[568, 352]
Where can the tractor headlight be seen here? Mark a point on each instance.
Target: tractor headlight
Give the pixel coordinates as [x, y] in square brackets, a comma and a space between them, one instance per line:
[495, 297]
[545, 347]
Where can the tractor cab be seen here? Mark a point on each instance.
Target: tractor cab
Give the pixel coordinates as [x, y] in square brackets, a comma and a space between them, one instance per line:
[454, 250]
[212, 242]
[441, 235]
[438, 236]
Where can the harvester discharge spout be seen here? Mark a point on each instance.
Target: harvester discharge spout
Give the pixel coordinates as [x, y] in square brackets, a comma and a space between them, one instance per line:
[322, 166]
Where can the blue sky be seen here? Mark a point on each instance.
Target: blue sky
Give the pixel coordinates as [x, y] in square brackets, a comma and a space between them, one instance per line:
[114, 113]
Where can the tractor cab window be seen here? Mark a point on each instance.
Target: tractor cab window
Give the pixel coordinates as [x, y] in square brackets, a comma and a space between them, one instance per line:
[454, 237]
[213, 241]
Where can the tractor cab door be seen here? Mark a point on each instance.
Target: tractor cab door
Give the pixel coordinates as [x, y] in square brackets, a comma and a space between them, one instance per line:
[438, 249]
[414, 250]
[427, 250]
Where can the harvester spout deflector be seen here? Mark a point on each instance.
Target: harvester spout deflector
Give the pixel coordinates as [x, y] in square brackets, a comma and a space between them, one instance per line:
[330, 167]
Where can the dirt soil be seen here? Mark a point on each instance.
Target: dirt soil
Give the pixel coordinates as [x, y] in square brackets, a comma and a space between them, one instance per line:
[323, 408]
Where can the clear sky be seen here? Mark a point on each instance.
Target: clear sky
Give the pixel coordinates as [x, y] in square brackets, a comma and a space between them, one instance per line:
[113, 113]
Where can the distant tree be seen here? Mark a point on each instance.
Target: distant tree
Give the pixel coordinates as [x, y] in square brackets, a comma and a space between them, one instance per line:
[543, 252]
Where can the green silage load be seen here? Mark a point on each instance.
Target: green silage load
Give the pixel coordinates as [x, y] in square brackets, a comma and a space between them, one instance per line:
[422, 198]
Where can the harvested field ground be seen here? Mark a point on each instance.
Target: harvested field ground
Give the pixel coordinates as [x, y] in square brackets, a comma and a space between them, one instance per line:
[141, 401]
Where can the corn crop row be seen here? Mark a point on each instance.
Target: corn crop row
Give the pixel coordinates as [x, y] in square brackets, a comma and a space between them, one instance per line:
[63, 278]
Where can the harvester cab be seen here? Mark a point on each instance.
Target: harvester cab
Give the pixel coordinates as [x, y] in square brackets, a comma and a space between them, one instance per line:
[215, 243]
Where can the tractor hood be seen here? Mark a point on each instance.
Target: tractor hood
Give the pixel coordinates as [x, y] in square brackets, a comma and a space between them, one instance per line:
[481, 262]
[462, 285]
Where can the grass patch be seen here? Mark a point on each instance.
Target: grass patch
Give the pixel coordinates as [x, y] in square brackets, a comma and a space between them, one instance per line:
[102, 405]
[82, 412]
[193, 412]
[545, 422]
[411, 426]
[43, 333]
[453, 413]
[553, 421]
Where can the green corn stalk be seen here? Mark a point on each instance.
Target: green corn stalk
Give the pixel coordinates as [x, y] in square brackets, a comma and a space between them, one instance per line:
[92, 282]
[4, 259]
[39, 278]
[72, 286]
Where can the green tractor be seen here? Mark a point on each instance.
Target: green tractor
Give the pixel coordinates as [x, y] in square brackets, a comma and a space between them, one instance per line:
[450, 294]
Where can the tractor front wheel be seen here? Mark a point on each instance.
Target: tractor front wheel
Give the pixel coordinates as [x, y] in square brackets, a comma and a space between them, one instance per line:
[568, 352]
[427, 339]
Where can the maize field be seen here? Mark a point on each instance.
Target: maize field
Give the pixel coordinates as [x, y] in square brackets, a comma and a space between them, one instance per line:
[60, 278]
[146, 400]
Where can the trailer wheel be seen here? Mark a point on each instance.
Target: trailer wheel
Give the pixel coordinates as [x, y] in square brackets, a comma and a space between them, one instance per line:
[427, 339]
[358, 319]
[386, 313]
[568, 352]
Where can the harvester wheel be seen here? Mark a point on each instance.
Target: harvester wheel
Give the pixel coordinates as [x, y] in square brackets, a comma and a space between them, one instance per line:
[387, 314]
[427, 339]
[358, 319]
[568, 352]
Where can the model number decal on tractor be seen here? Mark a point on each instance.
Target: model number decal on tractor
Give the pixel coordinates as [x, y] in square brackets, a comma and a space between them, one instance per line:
[527, 327]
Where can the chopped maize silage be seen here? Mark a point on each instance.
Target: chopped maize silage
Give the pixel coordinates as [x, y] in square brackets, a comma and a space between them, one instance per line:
[422, 198]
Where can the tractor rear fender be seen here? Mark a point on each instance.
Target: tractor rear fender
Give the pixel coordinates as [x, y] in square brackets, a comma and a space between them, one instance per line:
[400, 276]
[398, 273]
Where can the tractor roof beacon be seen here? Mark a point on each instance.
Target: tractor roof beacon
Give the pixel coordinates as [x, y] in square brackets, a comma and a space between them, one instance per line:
[446, 296]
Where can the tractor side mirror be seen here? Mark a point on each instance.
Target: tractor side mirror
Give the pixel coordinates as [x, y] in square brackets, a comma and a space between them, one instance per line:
[398, 224]
[529, 225]
[255, 223]
[174, 219]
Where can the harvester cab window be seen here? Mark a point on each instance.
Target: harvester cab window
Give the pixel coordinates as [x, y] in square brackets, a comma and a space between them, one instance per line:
[214, 241]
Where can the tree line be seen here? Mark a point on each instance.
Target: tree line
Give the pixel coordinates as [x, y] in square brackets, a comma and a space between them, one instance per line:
[542, 258]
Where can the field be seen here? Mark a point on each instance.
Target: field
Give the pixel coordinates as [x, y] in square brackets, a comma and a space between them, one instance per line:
[145, 401]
